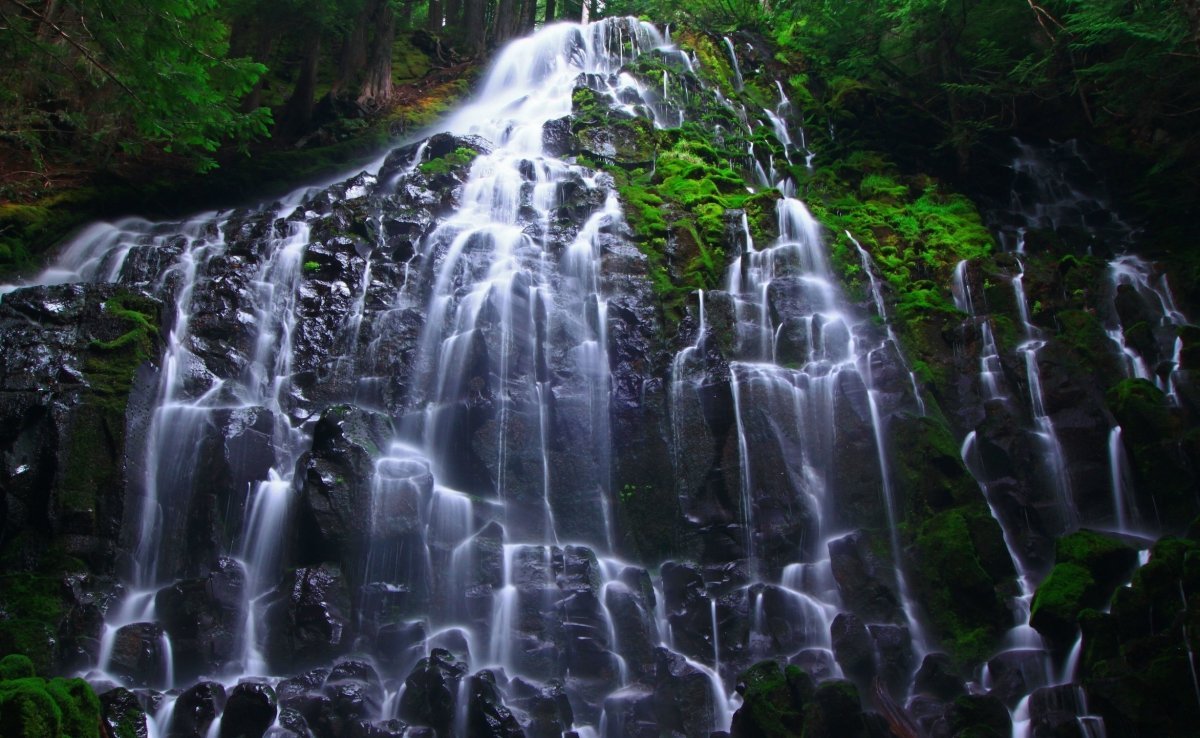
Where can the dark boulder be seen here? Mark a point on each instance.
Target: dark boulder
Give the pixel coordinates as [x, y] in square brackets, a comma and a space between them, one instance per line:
[138, 657]
[864, 581]
[250, 709]
[336, 477]
[686, 699]
[853, 647]
[546, 707]
[122, 714]
[204, 618]
[307, 620]
[487, 716]
[431, 692]
[938, 677]
[195, 710]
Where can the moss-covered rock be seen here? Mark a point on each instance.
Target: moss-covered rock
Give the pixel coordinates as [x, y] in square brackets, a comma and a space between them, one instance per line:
[31, 707]
[964, 600]
[1089, 568]
[16, 666]
[963, 572]
[773, 701]
[1135, 661]
[1162, 450]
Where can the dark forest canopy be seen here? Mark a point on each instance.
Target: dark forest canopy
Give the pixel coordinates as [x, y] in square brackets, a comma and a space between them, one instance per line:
[90, 81]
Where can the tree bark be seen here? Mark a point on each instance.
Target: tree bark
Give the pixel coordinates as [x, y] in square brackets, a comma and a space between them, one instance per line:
[453, 12]
[550, 14]
[433, 23]
[475, 23]
[297, 112]
[376, 89]
[353, 57]
[528, 17]
[507, 17]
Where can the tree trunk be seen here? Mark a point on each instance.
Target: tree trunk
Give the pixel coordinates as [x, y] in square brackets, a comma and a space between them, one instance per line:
[376, 90]
[507, 16]
[434, 22]
[257, 45]
[528, 17]
[297, 112]
[453, 12]
[550, 11]
[475, 24]
[353, 58]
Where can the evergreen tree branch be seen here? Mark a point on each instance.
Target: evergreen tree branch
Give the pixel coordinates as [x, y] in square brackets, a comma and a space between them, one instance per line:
[78, 46]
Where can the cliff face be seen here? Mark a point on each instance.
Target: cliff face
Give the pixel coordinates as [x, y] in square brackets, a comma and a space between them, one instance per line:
[575, 414]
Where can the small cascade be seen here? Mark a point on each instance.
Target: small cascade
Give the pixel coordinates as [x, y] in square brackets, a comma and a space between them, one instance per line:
[1124, 506]
[1053, 189]
[991, 373]
[1142, 301]
[1055, 464]
[868, 265]
[733, 61]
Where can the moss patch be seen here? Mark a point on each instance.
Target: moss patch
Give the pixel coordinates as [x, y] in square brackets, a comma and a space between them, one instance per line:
[56, 708]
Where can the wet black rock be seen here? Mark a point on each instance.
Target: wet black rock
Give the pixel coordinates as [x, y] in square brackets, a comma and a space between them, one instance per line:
[431, 692]
[68, 409]
[138, 658]
[1016, 673]
[557, 139]
[546, 708]
[204, 619]
[853, 647]
[938, 677]
[684, 698]
[307, 620]
[295, 687]
[688, 608]
[122, 714]
[863, 581]
[631, 714]
[335, 509]
[195, 710]
[487, 716]
[250, 709]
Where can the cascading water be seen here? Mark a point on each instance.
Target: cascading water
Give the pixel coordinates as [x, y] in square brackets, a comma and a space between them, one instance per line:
[382, 437]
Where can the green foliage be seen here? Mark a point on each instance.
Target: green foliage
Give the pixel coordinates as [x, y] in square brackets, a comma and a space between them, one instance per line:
[16, 666]
[457, 159]
[914, 242]
[773, 701]
[124, 74]
[31, 707]
[959, 593]
[32, 608]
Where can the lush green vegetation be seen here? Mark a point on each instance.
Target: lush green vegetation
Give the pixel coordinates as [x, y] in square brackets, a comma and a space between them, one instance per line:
[33, 707]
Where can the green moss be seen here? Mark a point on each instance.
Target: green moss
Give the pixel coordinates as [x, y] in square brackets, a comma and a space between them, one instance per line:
[1109, 560]
[1082, 332]
[97, 437]
[31, 607]
[1158, 444]
[959, 593]
[16, 666]
[455, 160]
[1063, 592]
[773, 702]
[714, 60]
[55, 708]
[28, 711]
